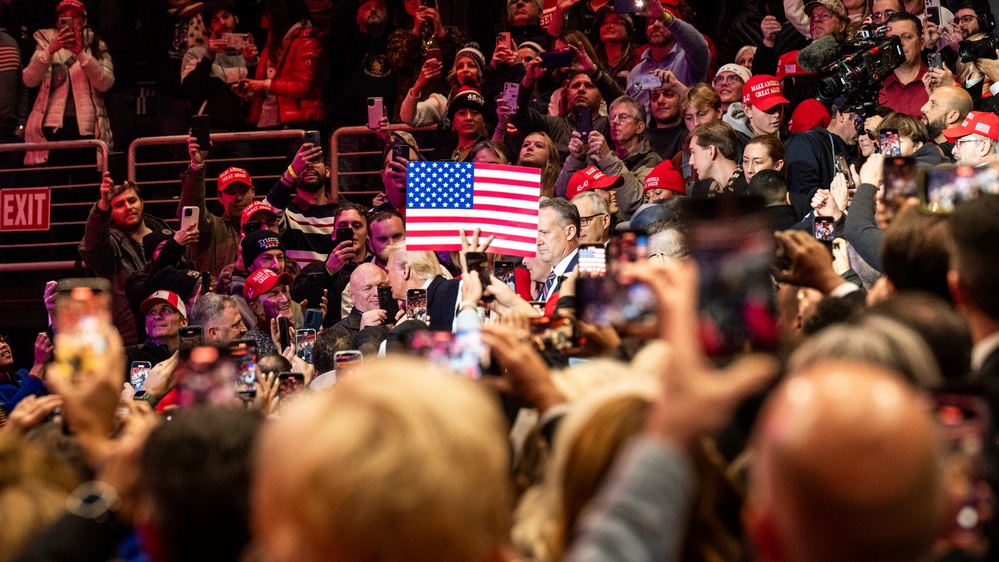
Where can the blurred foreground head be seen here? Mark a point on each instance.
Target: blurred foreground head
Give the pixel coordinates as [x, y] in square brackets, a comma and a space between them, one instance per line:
[847, 467]
[402, 463]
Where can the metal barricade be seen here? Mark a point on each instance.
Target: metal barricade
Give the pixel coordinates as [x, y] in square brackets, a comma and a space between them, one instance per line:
[355, 169]
[155, 164]
[73, 190]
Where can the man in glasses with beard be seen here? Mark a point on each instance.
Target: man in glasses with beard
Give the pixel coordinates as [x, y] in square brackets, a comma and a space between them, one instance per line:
[306, 206]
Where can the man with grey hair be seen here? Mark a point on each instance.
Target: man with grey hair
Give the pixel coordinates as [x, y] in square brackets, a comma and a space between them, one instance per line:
[558, 241]
[632, 158]
[594, 217]
[976, 139]
[219, 318]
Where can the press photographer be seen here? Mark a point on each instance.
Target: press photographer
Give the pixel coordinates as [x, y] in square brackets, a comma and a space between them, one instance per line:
[878, 66]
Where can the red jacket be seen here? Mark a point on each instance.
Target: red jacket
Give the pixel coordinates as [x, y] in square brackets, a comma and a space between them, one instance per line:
[297, 83]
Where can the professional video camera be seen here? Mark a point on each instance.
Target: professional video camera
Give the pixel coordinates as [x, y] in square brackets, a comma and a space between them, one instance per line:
[868, 59]
[984, 48]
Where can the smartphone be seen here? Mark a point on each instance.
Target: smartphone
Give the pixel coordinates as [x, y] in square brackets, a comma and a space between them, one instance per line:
[505, 271]
[190, 337]
[83, 314]
[888, 141]
[313, 319]
[65, 22]
[189, 215]
[401, 151]
[314, 138]
[630, 307]
[388, 303]
[244, 354]
[503, 40]
[943, 188]
[824, 231]
[201, 129]
[556, 59]
[304, 340]
[138, 373]
[289, 385]
[900, 184]
[732, 242]
[584, 121]
[556, 334]
[236, 41]
[206, 376]
[936, 61]
[429, 3]
[932, 10]
[434, 53]
[346, 362]
[375, 112]
[511, 93]
[252, 226]
[963, 420]
[648, 82]
[118, 167]
[284, 325]
[462, 352]
[343, 234]
[206, 282]
[592, 260]
[479, 263]
[628, 6]
[844, 168]
[416, 305]
[314, 293]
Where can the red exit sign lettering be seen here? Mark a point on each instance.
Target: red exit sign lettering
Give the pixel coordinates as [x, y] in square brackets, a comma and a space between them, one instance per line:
[24, 209]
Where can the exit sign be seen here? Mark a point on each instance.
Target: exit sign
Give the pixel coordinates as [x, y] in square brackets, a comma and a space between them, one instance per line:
[24, 209]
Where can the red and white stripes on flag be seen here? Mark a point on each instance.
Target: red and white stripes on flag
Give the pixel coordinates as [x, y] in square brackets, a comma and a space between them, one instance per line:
[443, 198]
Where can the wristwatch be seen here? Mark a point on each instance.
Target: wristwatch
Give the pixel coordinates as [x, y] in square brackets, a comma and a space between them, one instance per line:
[94, 500]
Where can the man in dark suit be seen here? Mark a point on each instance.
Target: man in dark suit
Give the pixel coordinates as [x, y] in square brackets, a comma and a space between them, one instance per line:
[421, 270]
[974, 287]
[558, 241]
[363, 291]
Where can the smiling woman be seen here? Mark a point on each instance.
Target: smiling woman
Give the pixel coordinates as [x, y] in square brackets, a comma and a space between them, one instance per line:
[16, 384]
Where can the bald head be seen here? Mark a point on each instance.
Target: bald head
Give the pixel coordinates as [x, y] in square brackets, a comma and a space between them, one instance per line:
[363, 288]
[946, 108]
[847, 468]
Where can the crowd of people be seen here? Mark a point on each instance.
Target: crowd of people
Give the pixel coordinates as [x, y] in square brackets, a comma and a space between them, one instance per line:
[760, 323]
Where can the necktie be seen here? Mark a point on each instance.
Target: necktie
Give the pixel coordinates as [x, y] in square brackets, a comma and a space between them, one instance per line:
[546, 291]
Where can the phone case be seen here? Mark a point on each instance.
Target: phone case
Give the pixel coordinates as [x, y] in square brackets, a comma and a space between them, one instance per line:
[375, 112]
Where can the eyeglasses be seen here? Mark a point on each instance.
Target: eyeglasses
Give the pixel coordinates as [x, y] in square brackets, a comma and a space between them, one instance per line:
[968, 140]
[730, 79]
[621, 117]
[879, 17]
[965, 20]
[583, 221]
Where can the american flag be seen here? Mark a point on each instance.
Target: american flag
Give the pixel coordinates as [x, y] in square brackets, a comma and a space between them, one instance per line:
[443, 198]
[592, 260]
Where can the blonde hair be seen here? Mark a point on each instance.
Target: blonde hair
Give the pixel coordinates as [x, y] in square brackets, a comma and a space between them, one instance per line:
[402, 462]
[425, 265]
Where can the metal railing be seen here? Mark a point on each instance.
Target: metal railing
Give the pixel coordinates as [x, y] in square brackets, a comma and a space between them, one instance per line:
[364, 163]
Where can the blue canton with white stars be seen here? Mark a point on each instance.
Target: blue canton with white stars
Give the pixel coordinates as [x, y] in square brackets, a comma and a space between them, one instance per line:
[439, 185]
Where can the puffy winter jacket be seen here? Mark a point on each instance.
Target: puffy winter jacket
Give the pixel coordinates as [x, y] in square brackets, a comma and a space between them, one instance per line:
[296, 81]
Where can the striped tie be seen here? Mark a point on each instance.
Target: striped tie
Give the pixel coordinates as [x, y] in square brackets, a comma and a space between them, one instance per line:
[547, 289]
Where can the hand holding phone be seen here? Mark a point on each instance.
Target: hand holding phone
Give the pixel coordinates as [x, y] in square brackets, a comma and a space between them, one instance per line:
[201, 129]
[375, 112]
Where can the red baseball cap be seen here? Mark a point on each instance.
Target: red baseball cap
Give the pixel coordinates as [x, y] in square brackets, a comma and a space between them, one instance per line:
[71, 6]
[164, 297]
[254, 208]
[983, 123]
[787, 65]
[808, 114]
[591, 178]
[263, 280]
[763, 92]
[665, 176]
[234, 175]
